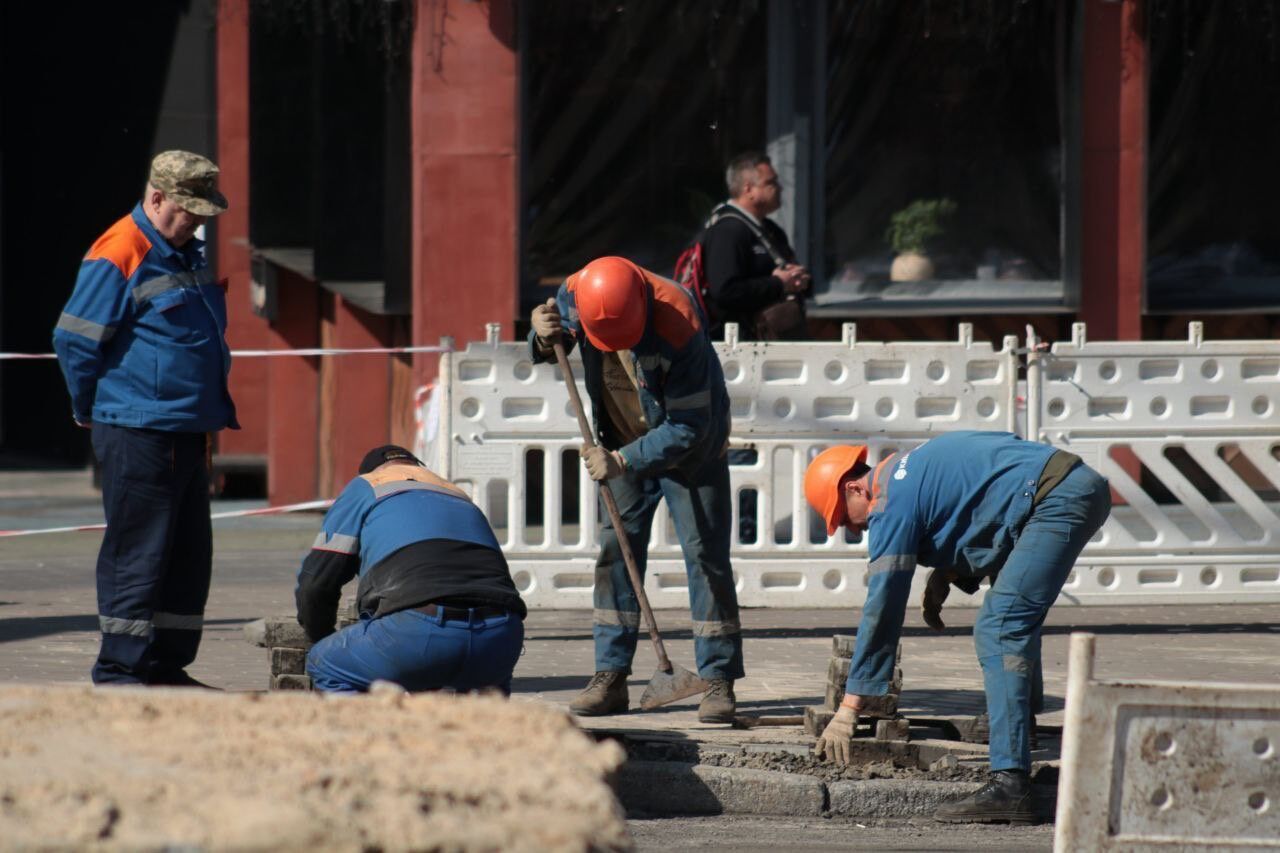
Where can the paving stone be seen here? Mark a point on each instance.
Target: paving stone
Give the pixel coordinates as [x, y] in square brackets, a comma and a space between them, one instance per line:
[833, 698]
[672, 787]
[255, 632]
[842, 645]
[898, 730]
[290, 682]
[286, 661]
[285, 631]
[838, 671]
[816, 719]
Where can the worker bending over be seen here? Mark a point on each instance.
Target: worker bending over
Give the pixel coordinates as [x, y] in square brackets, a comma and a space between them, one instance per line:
[436, 602]
[974, 504]
[662, 417]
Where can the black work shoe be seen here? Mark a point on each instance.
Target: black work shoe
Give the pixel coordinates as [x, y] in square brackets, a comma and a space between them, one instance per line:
[605, 693]
[718, 703]
[178, 679]
[1006, 798]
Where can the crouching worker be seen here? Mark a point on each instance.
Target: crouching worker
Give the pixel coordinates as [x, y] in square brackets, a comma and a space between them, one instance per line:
[436, 602]
[974, 504]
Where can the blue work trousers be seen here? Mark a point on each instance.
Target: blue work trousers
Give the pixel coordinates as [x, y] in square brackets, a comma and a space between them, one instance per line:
[419, 652]
[1007, 631]
[156, 557]
[702, 511]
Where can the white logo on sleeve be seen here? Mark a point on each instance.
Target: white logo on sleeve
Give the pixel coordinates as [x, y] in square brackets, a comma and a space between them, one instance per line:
[901, 472]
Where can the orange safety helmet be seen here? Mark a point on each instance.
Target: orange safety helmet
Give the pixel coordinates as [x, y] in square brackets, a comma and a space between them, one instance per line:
[613, 303]
[822, 481]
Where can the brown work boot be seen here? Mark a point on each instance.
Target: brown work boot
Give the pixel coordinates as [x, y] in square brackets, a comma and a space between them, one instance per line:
[718, 703]
[606, 693]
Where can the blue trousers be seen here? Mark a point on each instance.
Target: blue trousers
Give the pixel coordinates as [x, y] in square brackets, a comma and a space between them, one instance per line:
[156, 557]
[419, 652]
[703, 513]
[1007, 631]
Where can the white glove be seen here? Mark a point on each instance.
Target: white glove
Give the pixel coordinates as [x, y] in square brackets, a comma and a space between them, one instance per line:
[546, 323]
[836, 738]
[603, 464]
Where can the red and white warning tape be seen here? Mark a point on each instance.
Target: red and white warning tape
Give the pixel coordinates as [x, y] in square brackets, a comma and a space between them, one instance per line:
[264, 353]
[239, 513]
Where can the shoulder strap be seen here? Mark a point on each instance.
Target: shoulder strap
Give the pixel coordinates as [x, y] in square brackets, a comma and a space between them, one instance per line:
[727, 211]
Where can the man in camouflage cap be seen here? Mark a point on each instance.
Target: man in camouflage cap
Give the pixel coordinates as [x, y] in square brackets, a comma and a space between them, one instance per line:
[142, 347]
[189, 180]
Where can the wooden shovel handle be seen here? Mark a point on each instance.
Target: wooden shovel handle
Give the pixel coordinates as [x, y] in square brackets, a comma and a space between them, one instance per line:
[664, 663]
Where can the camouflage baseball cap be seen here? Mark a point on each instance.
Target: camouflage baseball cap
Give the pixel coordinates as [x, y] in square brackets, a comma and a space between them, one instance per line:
[189, 180]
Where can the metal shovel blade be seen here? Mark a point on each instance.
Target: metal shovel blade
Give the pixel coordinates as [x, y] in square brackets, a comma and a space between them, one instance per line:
[666, 687]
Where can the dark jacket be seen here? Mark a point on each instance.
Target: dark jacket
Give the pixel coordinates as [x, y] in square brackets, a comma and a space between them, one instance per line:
[412, 538]
[740, 269]
[682, 386]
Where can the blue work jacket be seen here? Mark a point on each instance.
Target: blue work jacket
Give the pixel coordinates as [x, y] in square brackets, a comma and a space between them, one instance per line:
[141, 342]
[682, 391]
[957, 503]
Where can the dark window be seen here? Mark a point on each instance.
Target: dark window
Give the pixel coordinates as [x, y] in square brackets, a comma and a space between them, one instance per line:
[330, 162]
[1213, 183]
[964, 102]
[631, 111]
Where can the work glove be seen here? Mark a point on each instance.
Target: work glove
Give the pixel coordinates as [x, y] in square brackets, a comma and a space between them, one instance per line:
[603, 464]
[936, 590]
[546, 323]
[835, 741]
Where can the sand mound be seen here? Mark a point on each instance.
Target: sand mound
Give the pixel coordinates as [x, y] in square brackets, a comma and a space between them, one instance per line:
[136, 769]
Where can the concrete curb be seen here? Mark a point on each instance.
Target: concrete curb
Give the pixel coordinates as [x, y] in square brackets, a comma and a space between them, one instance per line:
[673, 787]
[893, 797]
[662, 788]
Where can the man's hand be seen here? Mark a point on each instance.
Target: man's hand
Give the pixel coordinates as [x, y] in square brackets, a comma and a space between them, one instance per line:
[794, 278]
[546, 323]
[603, 464]
[936, 590]
[835, 740]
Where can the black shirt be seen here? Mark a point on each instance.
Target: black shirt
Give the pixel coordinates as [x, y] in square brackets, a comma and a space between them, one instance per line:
[740, 269]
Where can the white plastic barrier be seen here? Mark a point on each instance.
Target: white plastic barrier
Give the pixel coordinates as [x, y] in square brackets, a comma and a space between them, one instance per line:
[1167, 765]
[504, 431]
[501, 427]
[1203, 419]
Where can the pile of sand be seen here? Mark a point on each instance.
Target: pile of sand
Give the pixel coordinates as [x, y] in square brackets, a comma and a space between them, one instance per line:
[130, 769]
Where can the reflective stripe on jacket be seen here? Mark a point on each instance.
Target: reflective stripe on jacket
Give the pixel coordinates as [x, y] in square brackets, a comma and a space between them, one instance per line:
[141, 342]
[956, 502]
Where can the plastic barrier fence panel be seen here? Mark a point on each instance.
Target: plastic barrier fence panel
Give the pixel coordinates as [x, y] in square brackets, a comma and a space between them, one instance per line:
[1188, 433]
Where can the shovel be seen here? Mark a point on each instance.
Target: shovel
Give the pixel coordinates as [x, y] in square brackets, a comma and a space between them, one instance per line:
[669, 682]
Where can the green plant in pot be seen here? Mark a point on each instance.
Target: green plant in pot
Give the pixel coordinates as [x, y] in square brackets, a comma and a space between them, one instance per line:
[910, 232]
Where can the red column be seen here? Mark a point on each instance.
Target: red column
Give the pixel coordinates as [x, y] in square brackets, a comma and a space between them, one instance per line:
[244, 330]
[361, 394]
[465, 183]
[293, 406]
[1113, 169]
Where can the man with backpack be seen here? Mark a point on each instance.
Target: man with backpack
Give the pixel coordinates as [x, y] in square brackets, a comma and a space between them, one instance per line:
[748, 261]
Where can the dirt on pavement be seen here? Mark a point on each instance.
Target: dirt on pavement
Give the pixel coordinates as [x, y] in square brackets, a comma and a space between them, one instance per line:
[136, 769]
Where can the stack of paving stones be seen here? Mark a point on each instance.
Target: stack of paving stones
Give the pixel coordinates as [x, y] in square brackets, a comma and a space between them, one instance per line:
[880, 713]
[287, 644]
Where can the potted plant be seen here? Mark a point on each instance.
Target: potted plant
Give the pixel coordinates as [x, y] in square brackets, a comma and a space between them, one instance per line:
[910, 231]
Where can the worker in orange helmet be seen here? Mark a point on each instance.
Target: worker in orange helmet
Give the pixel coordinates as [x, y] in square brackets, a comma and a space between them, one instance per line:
[970, 504]
[662, 418]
